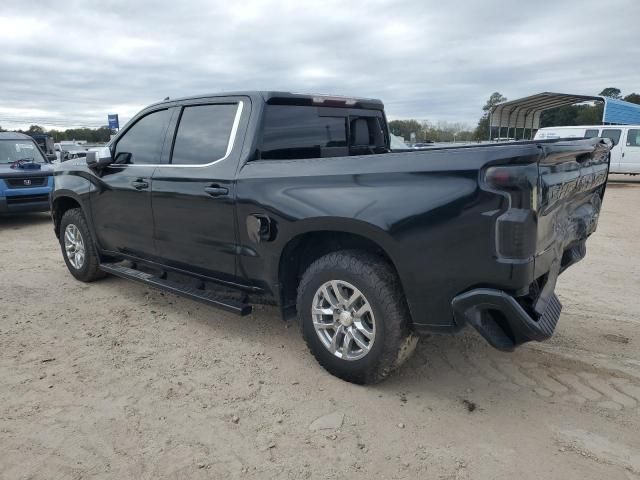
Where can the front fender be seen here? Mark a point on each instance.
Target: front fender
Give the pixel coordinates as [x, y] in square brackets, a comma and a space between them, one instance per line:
[71, 187]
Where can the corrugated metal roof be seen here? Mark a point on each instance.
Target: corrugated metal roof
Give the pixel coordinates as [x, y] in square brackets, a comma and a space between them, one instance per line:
[525, 112]
[621, 112]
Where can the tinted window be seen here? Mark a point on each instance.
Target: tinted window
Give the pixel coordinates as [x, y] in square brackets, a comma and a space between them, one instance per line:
[203, 134]
[302, 132]
[143, 141]
[591, 133]
[633, 138]
[612, 134]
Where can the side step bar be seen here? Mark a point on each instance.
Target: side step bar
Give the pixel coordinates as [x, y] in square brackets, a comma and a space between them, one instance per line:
[197, 294]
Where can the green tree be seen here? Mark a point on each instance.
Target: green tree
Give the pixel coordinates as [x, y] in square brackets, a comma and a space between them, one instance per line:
[35, 129]
[482, 130]
[611, 92]
[589, 114]
[633, 98]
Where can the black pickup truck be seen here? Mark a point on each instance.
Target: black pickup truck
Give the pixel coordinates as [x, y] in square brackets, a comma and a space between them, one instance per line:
[298, 200]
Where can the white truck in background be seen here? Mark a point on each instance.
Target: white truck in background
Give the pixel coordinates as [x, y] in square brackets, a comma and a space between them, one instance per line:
[625, 154]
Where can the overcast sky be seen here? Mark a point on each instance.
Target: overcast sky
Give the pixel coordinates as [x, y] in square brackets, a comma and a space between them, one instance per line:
[72, 62]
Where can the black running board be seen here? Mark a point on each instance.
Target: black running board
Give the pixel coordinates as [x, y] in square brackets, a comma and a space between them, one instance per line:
[197, 294]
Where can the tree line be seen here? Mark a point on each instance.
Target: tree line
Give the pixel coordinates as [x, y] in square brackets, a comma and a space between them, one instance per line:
[426, 131]
[91, 135]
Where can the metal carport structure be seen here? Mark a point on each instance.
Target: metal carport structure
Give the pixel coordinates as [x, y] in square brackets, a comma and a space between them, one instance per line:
[525, 112]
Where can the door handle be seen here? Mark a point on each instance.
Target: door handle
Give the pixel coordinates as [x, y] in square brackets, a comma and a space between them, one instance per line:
[140, 184]
[216, 191]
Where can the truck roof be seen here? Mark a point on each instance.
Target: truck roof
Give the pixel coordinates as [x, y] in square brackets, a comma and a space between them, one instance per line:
[291, 98]
[14, 136]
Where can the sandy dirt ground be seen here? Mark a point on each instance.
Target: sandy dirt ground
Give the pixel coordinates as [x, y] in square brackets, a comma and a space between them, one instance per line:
[114, 380]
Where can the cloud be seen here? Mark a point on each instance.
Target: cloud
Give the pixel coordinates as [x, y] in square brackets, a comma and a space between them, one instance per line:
[74, 62]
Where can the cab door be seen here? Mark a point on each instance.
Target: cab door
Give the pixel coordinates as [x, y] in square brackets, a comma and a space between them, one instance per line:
[193, 195]
[630, 161]
[121, 205]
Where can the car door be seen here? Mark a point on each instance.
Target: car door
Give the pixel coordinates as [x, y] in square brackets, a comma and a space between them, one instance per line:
[630, 161]
[121, 206]
[614, 135]
[194, 195]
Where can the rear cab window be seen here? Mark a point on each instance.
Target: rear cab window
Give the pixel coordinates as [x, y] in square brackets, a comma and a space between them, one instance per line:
[591, 133]
[298, 132]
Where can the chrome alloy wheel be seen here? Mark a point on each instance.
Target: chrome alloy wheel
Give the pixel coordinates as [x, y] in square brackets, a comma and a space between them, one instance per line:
[343, 320]
[74, 246]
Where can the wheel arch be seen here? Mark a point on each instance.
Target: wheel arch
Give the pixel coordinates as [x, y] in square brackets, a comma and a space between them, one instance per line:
[62, 202]
[304, 248]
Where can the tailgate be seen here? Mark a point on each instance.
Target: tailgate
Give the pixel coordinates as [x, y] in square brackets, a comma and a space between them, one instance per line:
[573, 177]
[572, 181]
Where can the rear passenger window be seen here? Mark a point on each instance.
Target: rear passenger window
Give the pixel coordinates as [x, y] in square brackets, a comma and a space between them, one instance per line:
[591, 133]
[613, 134]
[142, 143]
[203, 134]
[302, 132]
[633, 138]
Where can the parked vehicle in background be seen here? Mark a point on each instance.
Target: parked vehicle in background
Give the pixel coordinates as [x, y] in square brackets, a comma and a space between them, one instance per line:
[26, 176]
[418, 146]
[71, 152]
[397, 143]
[625, 153]
[45, 142]
[299, 200]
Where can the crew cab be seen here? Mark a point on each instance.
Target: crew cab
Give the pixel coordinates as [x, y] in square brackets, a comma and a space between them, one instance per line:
[298, 200]
[26, 175]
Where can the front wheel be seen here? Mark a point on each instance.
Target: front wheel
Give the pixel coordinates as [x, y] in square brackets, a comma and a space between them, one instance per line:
[354, 316]
[77, 247]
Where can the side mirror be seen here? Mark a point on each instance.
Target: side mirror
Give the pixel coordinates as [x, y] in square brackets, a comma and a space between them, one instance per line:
[99, 159]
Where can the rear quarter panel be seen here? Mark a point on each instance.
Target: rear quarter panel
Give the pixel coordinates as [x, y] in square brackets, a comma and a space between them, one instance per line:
[425, 209]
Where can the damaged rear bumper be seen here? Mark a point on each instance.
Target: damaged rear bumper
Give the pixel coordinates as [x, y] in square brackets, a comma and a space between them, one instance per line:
[502, 320]
[506, 320]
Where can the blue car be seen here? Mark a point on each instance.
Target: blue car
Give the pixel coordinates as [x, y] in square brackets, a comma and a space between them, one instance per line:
[26, 176]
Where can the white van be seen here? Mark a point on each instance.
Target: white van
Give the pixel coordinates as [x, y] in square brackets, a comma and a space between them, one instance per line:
[625, 154]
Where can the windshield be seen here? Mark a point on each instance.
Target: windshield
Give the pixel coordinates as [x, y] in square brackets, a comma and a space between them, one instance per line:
[14, 150]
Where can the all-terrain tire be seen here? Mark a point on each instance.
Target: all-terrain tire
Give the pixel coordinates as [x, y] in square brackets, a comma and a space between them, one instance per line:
[89, 270]
[378, 282]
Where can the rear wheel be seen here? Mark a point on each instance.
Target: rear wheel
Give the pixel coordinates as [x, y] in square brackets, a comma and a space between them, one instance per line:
[354, 317]
[77, 246]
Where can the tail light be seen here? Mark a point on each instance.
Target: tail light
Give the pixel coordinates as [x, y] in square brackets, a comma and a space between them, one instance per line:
[519, 182]
[516, 229]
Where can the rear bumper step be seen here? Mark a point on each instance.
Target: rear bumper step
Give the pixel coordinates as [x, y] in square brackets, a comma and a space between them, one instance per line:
[502, 321]
[200, 295]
